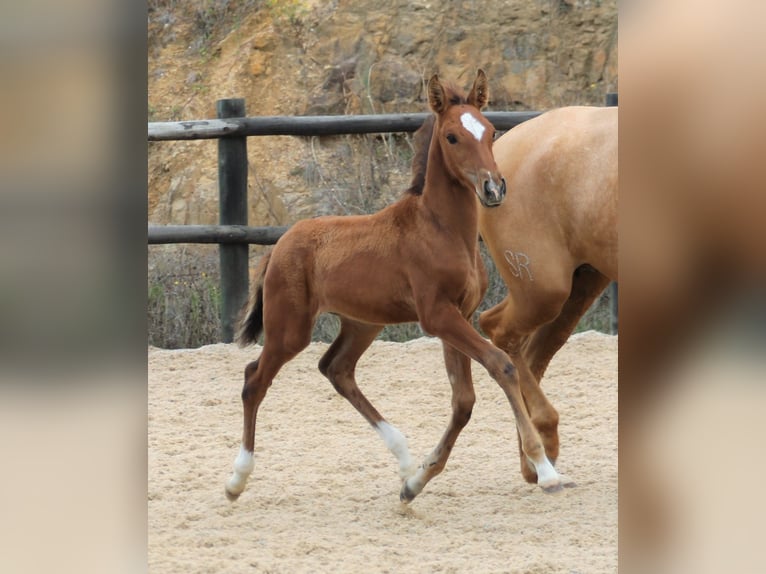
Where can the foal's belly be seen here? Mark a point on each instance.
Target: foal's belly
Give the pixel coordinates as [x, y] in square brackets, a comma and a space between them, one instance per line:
[373, 291]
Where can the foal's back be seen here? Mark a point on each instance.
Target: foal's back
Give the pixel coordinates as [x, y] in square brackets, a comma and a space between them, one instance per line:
[351, 265]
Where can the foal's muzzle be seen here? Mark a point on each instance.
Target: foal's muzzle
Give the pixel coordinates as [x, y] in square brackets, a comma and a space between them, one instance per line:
[492, 193]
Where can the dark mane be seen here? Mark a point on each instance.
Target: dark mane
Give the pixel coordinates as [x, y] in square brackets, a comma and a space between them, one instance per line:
[422, 141]
[455, 95]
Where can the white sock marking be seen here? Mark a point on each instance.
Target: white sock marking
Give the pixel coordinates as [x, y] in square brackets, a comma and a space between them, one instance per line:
[396, 442]
[546, 474]
[243, 467]
[472, 125]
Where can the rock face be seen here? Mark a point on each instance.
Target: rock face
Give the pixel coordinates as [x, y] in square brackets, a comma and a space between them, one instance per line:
[295, 57]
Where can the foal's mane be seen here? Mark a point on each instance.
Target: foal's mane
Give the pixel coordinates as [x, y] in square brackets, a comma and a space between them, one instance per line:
[422, 141]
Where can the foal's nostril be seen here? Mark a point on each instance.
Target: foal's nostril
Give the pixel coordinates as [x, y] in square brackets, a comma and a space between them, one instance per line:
[489, 190]
[494, 193]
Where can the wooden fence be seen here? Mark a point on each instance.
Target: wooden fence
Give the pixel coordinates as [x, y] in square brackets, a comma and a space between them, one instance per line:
[232, 127]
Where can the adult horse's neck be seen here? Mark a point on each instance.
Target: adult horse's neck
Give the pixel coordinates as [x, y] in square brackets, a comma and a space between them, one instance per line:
[452, 205]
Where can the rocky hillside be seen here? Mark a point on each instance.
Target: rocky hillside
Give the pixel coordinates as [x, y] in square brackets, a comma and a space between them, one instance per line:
[289, 57]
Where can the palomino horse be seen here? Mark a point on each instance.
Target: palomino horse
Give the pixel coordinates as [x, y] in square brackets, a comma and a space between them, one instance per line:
[554, 242]
[380, 269]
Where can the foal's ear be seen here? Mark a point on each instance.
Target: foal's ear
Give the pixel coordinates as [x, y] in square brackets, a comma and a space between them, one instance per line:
[437, 98]
[479, 95]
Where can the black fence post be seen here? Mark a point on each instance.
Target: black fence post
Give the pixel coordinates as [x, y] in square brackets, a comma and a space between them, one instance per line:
[611, 100]
[232, 190]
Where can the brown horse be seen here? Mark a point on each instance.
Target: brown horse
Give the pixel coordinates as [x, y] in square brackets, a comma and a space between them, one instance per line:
[380, 269]
[554, 242]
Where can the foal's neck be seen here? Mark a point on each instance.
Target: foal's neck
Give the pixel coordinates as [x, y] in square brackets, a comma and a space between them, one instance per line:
[449, 202]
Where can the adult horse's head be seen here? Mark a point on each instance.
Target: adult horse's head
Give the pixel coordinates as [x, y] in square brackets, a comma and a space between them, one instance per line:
[466, 136]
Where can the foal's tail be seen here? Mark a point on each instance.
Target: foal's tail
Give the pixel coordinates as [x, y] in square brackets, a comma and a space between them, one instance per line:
[251, 321]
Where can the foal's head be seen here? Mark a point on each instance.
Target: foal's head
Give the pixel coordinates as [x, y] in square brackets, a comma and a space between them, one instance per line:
[465, 137]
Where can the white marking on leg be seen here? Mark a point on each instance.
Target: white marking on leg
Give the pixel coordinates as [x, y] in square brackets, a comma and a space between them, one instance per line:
[396, 442]
[473, 125]
[546, 474]
[243, 467]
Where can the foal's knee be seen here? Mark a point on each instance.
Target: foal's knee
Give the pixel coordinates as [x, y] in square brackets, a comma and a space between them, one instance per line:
[500, 367]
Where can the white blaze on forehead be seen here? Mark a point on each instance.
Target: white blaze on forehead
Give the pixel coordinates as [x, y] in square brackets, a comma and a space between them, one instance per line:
[473, 125]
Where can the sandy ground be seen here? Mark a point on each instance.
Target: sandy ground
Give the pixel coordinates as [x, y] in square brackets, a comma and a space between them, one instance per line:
[324, 496]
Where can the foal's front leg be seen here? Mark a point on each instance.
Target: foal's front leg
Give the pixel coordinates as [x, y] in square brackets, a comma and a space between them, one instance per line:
[445, 321]
[463, 399]
[498, 323]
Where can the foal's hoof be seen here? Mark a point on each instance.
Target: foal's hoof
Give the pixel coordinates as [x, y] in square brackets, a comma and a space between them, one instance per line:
[405, 494]
[231, 496]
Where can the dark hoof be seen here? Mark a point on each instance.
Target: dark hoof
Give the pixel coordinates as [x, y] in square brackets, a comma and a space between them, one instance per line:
[230, 496]
[406, 495]
[552, 488]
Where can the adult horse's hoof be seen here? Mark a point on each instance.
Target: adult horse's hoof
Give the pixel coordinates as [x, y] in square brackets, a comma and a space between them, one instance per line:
[562, 483]
[551, 488]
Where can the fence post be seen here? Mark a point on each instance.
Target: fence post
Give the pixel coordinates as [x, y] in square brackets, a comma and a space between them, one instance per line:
[232, 197]
[611, 100]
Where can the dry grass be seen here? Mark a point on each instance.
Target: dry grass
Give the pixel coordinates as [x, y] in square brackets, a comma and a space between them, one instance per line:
[350, 175]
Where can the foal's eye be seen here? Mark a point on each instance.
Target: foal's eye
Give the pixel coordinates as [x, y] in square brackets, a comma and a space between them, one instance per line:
[451, 139]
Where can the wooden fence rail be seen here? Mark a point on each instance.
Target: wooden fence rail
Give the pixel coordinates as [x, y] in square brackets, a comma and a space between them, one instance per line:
[310, 125]
[232, 128]
[159, 234]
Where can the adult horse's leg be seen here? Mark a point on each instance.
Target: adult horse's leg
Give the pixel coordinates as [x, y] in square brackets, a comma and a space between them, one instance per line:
[544, 343]
[463, 398]
[446, 322]
[280, 346]
[338, 364]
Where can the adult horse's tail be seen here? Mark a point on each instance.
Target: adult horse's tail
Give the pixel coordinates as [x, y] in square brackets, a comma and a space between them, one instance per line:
[251, 323]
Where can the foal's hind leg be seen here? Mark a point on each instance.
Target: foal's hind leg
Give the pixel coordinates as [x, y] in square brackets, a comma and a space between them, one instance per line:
[338, 365]
[279, 348]
[463, 398]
